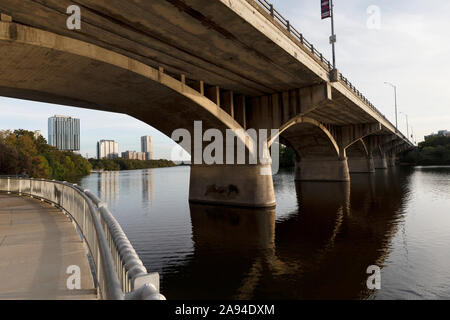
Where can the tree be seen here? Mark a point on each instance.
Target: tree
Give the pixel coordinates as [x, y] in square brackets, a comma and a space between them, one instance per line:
[433, 151]
[21, 152]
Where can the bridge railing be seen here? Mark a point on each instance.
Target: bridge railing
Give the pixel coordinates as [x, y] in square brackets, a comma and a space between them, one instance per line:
[268, 7]
[120, 274]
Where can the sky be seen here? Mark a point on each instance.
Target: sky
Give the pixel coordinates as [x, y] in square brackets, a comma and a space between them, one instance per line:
[402, 42]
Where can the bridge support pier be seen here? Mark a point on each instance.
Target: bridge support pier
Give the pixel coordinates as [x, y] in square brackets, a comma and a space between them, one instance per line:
[322, 170]
[233, 185]
[361, 165]
[391, 161]
[380, 162]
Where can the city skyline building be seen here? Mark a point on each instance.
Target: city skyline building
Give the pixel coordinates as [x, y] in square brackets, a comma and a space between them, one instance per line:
[147, 147]
[64, 133]
[107, 149]
[133, 155]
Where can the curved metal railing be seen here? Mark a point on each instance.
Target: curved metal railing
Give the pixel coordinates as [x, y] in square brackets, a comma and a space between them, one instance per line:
[119, 271]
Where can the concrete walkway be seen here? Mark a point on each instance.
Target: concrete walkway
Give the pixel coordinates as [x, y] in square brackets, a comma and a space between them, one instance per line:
[37, 245]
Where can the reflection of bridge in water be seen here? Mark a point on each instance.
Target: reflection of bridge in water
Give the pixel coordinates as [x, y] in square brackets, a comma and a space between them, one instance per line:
[320, 251]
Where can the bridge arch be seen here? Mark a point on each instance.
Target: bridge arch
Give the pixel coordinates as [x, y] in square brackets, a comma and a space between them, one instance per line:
[308, 137]
[47, 67]
[358, 148]
[57, 69]
[319, 157]
[359, 158]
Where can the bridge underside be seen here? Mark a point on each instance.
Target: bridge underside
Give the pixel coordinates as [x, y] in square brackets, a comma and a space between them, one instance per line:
[164, 80]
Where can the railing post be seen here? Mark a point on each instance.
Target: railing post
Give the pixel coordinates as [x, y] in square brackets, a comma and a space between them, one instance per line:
[98, 271]
[271, 10]
[288, 26]
[9, 185]
[84, 216]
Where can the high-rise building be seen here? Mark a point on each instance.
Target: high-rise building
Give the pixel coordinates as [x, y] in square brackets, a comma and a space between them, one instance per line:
[147, 147]
[107, 149]
[64, 133]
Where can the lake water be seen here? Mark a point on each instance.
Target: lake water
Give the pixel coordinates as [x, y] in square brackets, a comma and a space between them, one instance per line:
[316, 244]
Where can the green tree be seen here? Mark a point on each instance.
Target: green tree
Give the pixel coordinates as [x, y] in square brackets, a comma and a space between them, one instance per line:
[433, 151]
[21, 152]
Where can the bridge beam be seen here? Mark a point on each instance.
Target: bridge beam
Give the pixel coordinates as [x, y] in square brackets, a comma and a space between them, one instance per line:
[380, 162]
[279, 110]
[391, 160]
[348, 135]
[358, 158]
[392, 148]
[377, 148]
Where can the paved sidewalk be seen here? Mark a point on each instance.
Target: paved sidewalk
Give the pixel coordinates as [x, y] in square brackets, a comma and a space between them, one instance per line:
[37, 245]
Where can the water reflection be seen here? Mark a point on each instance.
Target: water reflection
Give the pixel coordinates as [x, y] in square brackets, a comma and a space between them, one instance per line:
[108, 186]
[321, 251]
[316, 244]
[148, 182]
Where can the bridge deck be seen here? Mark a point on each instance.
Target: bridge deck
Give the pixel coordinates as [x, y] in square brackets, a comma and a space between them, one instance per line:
[37, 245]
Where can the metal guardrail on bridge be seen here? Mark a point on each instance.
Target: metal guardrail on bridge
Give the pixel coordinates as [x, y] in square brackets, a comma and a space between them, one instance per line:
[119, 271]
[268, 7]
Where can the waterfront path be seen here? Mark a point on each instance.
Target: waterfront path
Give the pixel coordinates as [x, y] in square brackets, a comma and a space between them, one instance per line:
[37, 245]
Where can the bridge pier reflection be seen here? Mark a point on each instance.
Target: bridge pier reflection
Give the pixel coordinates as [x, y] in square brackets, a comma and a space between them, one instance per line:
[319, 251]
[231, 227]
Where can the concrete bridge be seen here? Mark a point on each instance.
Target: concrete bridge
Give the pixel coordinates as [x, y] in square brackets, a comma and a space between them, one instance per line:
[233, 64]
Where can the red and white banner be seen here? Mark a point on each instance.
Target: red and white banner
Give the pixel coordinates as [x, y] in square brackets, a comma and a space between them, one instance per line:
[326, 9]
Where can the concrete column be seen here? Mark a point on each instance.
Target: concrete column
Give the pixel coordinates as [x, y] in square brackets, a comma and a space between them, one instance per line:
[328, 169]
[380, 162]
[234, 185]
[360, 165]
[371, 164]
[391, 161]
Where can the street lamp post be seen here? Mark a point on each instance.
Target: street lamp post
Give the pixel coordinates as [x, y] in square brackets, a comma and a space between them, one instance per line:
[333, 35]
[328, 12]
[395, 97]
[407, 124]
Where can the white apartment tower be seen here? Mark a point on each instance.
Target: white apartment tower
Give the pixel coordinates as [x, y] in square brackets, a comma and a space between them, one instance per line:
[147, 147]
[64, 133]
[107, 149]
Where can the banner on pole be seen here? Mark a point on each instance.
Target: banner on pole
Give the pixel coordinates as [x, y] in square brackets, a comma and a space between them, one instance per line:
[326, 9]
